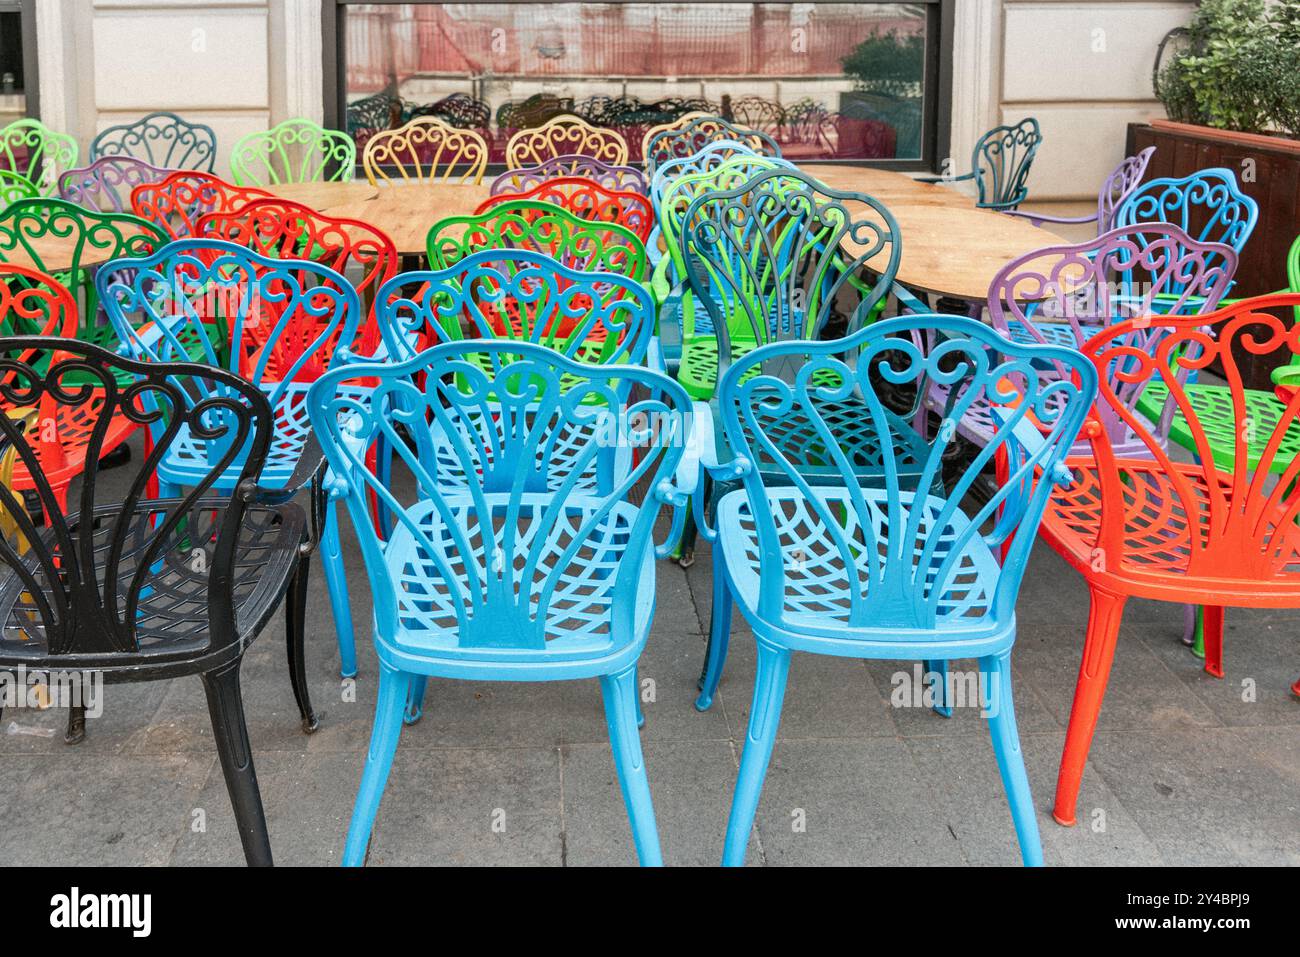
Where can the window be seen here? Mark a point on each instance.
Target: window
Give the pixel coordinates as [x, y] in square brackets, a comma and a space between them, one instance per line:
[857, 82]
[17, 61]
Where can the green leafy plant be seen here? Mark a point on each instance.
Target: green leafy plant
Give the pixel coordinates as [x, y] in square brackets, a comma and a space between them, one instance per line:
[1238, 68]
[887, 62]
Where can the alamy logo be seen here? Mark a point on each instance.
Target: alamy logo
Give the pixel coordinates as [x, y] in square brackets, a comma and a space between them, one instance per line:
[75, 909]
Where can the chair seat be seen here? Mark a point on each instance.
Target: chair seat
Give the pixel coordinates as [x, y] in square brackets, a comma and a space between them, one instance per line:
[189, 459]
[1213, 408]
[1053, 333]
[819, 596]
[578, 625]
[698, 372]
[171, 619]
[73, 425]
[1157, 538]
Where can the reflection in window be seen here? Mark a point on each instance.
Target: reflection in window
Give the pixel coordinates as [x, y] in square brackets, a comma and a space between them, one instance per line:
[827, 80]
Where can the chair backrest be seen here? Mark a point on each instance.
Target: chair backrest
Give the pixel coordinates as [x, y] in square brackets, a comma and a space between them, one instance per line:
[177, 203]
[707, 159]
[34, 303]
[588, 200]
[779, 256]
[1207, 205]
[565, 135]
[106, 184]
[519, 295]
[757, 113]
[518, 561]
[1001, 161]
[85, 590]
[545, 228]
[284, 230]
[33, 150]
[683, 119]
[688, 140]
[288, 320]
[160, 139]
[1245, 509]
[295, 151]
[367, 116]
[57, 236]
[16, 186]
[426, 149]
[908, 553]
[617, 178]
[1119, 184]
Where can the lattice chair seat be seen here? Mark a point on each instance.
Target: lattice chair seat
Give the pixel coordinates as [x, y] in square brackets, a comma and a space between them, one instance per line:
[1214, 410]
[1054, 333]
[71, 426]
[171, 615]
[578, 610]
[819, 596]
[190, 458]
[1157, 534]
[698, 372]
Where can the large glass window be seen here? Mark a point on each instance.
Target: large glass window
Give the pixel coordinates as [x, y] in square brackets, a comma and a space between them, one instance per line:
[829, 81]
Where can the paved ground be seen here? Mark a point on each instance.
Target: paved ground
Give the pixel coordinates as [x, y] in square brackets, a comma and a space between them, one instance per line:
[1184, 770]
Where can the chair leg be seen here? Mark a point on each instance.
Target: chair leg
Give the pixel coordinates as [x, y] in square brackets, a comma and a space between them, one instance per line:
[685, 551]
[1191, 617]
[1212, 617]
[295, 627]
[415, 699]
[336, 581]
[1104, 616]
[226, 708]
[620, 694]
[995, 670]
[715, 657]
[764, 717]
[393, 688]
[636, 697]
[938, 666]
[167, 489]
[75, 733]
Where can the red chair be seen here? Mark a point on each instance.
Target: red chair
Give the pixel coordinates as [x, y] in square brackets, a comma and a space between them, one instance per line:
[1146, 525]
[587, 200]
[177, 203]
[285, 230]
[33, 303]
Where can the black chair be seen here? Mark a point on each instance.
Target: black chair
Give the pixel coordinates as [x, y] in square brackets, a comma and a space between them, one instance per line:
[140, 589]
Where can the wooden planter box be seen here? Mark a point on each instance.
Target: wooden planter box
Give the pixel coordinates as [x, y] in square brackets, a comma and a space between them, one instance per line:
[1182, 149]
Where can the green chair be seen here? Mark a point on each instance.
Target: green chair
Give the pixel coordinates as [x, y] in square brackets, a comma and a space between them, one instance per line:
[68, 242]
[1213, 406]
[35, 152]
[295, 151]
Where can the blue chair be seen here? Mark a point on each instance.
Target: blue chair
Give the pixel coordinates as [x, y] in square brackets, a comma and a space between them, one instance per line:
[161, 139]
[288, 321]
[517, 573]
[1207, 205]
[894, 569]
[1000, 164]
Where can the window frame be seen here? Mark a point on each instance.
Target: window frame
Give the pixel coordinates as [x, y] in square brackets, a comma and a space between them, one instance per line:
[936, 109]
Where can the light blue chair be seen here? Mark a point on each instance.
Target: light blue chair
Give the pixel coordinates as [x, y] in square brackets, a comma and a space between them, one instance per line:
[895, 569]
[1208, 205]
[287, 320]
[515, 573]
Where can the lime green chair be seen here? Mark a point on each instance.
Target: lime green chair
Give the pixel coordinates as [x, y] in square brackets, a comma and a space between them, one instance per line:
[295, 151]
[36, 153]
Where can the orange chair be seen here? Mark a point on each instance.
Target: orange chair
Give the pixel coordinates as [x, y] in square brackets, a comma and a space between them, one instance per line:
[1149, 526]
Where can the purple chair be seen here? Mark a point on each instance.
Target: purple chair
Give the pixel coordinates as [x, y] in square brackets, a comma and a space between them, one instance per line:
[105, 185]
[1119, 184]
[613, 178]
[1063, 295]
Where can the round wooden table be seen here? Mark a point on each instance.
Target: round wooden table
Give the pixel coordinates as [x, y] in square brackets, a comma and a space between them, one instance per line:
[56, 252]
[950, 248]
[405, 213]
[321, 196]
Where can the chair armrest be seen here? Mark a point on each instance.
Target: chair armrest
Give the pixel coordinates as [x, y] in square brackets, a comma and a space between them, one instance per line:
[909, 301]
[1029, 436]
[1039, 218]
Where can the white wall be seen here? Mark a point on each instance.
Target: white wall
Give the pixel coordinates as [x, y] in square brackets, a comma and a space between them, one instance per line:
[234, 65]
[1082, 67]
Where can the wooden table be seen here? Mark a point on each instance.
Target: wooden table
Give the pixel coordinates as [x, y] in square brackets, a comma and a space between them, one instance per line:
[950, 248]
[321, 196]
[55, 253]
[405, 213]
